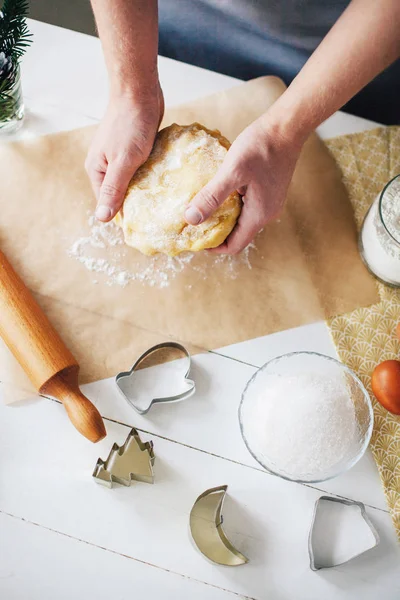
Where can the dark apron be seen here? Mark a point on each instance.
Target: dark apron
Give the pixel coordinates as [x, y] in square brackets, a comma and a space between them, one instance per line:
[250, 38]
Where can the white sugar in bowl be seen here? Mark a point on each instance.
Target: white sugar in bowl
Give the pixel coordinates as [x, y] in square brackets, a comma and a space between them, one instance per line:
[306, 417]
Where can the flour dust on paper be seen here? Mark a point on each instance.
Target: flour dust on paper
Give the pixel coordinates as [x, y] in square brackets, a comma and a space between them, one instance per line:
[103, 252]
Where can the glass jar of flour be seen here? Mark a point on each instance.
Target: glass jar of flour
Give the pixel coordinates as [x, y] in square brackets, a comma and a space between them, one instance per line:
[380, 235]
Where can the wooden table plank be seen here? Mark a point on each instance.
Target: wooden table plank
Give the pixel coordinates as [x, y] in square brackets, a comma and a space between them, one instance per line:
[46, 479]
[40, 564]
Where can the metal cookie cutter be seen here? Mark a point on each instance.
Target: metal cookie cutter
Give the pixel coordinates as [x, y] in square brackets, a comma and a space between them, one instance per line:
[323, 559]
[207, 532]
[122, 379]
[132, 461]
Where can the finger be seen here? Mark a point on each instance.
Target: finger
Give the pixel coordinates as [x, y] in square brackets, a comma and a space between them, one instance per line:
[96, 179]
[206, 202]
[249, 224]
[113, 188]
[96, 167]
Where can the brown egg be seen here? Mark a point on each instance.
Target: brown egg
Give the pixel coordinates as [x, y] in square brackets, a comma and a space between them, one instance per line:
[398, 331]
[386, 385]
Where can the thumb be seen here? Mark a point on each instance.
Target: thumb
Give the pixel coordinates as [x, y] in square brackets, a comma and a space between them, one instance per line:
[113, 189]
[206, 202]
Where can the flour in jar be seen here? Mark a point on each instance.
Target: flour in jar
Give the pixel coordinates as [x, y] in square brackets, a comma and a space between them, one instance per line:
[380, 235]
[102, 251]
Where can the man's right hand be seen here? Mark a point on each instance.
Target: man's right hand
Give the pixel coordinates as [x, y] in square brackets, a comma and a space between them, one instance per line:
[123, 142]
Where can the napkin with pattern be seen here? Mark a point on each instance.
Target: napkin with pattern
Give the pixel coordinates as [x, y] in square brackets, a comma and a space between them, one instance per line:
[367, 336]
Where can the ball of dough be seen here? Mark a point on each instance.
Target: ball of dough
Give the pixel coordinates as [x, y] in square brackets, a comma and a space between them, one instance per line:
[183, 160]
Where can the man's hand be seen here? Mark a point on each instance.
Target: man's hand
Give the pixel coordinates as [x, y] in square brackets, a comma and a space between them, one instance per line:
[121, 144]
[259, 165]
[363, 42]
[129, 36]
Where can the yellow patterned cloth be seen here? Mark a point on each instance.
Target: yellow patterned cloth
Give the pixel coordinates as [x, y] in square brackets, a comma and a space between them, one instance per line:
[367, 336]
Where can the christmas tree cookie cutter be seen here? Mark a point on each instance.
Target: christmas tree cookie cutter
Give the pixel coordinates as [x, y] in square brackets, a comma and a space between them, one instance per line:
[133, 461]
[207, 532]
[125, 379]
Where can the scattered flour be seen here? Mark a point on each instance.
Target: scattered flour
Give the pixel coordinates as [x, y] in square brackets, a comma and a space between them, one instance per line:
[104, 251]
[302, 426]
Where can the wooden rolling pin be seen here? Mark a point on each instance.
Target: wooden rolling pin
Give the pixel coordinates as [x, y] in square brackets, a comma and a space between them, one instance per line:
[42, 354]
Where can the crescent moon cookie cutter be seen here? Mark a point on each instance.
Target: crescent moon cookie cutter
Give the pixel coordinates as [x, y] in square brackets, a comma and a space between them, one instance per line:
[125, 379]
[133, 461]
[322, 528]
[207, 532]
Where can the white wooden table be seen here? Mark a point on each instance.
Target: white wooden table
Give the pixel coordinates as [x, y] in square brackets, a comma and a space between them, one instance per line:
[62, 536]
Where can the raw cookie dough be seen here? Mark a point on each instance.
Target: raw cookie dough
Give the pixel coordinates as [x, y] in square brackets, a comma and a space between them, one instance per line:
[183, 160]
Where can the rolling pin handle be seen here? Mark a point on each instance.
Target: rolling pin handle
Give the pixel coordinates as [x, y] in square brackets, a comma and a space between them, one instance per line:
[83, 414]
[42, 354]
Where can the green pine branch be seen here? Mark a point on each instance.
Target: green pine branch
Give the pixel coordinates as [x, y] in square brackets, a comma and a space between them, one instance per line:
[14, 32]
[14, 39]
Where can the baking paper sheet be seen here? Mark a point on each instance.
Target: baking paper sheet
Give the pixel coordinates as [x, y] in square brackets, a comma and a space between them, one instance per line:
[305, 265]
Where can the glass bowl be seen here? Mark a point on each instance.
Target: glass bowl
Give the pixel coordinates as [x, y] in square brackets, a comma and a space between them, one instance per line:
[306, 417]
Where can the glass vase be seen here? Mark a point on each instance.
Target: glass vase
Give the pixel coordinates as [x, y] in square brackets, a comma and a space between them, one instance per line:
[12, 107]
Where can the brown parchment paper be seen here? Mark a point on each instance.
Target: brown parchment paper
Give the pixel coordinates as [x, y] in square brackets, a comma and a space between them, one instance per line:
[305, 267]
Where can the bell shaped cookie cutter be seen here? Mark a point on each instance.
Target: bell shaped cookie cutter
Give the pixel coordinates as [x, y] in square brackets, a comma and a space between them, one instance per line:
[319, 561]
[123, 378]
[132, 461]
[207, 532]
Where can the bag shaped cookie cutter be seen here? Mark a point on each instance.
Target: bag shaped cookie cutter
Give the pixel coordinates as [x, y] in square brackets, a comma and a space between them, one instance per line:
[166, 399]
[314, 562]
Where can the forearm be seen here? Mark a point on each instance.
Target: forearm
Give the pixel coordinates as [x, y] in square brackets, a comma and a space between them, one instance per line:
[128, 31]
[363, 42]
